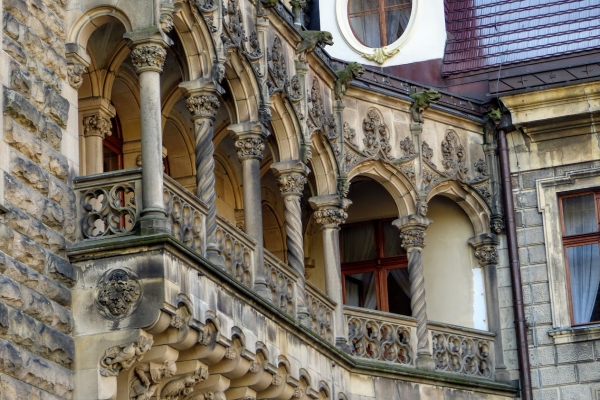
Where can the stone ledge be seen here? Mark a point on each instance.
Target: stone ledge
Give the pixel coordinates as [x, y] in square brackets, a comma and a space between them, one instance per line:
[3, 210]
[575, 334]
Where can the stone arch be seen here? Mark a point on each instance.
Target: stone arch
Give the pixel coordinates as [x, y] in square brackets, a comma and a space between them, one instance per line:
[285, 129]
[392, 180]
[469, 200]
[324, 391]
[324, 167]
[90, 20]
[244, 89]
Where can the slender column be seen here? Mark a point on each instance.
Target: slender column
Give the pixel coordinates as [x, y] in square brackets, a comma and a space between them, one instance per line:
[485, 247]
[291, 178]
[203, 104]
[330, 212]
[412, 232]
[250, 142]
[148, 59]
[95, 114]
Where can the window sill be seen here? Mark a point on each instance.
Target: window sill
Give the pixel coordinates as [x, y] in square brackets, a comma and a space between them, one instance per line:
[575, 334]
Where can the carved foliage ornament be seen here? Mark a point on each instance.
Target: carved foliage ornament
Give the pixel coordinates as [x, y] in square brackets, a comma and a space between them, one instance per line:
[148, 56]
[330, 216]
[291, 183]
[453, 155]
[413, 238]
[235, 23]
[97, 125]
[377, 136]
[118, 293]
[75, 72]
[118, 358]
[487, 254]
[205, 105]
[251, 147]
[279, 70]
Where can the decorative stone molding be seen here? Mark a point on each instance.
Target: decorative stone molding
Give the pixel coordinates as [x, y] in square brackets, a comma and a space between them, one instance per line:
[118, 293]
[481, 169]
[176, 321]
[330, 216]
[75, 71]
[203, 105]
[485, 246]
[250, 147]
[149, 57]
[454, 156]
[408, 146]
[291, 183]
[147, 378]
[345, 76]
[381, 54]
[421, 102]
[178, 388]
[119, 358]
[97, 125]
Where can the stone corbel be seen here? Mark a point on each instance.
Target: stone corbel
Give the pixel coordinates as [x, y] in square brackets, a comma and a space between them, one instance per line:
[77, 62]
[421, 102]
[189, 374]
[166, 16]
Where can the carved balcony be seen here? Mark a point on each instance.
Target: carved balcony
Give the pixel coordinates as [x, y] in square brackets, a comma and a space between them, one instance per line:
[381, 336]
[321, 309]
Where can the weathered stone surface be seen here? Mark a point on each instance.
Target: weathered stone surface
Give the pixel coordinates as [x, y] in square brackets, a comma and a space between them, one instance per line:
[530, 236]
[22, 248]
[546, 394]
[525, 199]
[576, 392]
[538, 293]
[35, 230]
[538, 314]
[56, 106]
[34, 280]
[29, 172]
[561, 375]
[589, 372]
[529, 179]
[542, 355]
[573, 352]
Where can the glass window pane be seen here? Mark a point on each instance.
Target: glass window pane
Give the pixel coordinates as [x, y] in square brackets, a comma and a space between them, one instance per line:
[397, 15]
[363, 5]
[580, 214]
[358, 243]
[366, 28]
[111, 160]
[360, 290]
[392, 244]
[584, 272]
[398, 287]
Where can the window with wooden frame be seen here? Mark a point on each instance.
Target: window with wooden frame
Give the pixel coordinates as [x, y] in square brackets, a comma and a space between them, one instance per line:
[581, 239]
[112, 147]
[378, 23]
[374, 267]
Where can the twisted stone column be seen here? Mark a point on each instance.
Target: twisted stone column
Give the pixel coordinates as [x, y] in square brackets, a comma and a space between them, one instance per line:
[203, 104]
[148, 58]
[291, 178]
[412, 232]
[485, 247]
[250, 142]
[330, 213]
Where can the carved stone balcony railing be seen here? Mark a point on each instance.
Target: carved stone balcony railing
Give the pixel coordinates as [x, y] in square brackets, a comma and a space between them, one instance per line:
[281, 280]
[108, 204]
[387, 337]
[462, 350]
[320, 308]
[381, 336]
[187, 215]
[237, 250]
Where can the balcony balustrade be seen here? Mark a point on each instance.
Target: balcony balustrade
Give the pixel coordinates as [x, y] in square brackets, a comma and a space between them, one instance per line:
[109, 206]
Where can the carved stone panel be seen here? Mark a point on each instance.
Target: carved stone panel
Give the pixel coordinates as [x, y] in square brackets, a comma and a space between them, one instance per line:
[118, 293]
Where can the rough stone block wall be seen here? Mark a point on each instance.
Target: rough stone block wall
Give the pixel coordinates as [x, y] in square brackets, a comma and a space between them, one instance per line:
[558, 371]
[36, 347]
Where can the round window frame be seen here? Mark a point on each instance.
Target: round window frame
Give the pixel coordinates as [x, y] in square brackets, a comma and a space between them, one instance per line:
[343, 22]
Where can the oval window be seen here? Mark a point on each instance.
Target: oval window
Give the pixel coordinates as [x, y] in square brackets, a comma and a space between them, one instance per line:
[378, 23]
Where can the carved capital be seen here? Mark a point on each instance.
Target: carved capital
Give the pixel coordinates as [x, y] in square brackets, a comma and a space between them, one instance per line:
[414, 237]
[250, 147]
[485, 247]
[75, 73]
[96, 125]
[118, 293]
[291, 183]
[119, 358]
[330, 216]
[203, 105]
[149, 57]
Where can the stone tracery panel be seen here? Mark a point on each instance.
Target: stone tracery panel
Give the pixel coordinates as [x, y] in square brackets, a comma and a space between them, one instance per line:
[462, 354]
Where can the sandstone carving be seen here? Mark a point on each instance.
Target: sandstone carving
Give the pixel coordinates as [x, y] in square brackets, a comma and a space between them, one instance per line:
[251, 147]
[75, 73]
[119, 358]
[421, 102]
[352, 71]
[178, 388]
[310, 40]
[147, 377]
[148, 56]
[118, 293]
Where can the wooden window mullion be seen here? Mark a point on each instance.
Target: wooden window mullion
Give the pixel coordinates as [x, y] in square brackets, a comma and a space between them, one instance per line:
[382, 23]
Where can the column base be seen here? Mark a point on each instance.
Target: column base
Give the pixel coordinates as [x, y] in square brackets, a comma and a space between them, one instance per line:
[342, 344]
[501, 374]
[425, 362]
[214, 256]
[263, 291]
[304, 318]
[154, 224]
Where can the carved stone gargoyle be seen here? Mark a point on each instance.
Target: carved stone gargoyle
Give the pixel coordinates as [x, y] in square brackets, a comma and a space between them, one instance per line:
[269, 3]
[421, 102]
[310, 39]
[352, 71]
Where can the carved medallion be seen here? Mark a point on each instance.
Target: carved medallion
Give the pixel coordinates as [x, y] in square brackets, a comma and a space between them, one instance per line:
[118, 293]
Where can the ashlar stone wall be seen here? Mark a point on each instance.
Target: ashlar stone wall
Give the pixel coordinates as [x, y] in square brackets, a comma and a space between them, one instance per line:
[36, 348]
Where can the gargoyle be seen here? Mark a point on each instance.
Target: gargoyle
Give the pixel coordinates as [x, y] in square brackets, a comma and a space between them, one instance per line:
[422, 101]
[310, 39]
[352, 71]
[269, 3]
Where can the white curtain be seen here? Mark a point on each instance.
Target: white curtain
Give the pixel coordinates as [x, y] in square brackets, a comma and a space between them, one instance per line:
[397, 19]
[366, 25]
[367, 284]
[584, 269]
[359, 243]
[400, 275]
[580, 214]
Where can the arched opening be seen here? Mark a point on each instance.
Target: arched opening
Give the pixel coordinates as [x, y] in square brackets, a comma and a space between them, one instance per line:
[374, 273]
[451, 270]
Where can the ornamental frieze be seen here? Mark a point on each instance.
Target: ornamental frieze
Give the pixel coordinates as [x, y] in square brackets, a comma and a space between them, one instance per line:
[118, 293]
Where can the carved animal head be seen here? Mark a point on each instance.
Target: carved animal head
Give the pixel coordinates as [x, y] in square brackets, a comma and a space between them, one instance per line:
[357, 69]
[432, 94]
[325, 38]
[495, 115]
